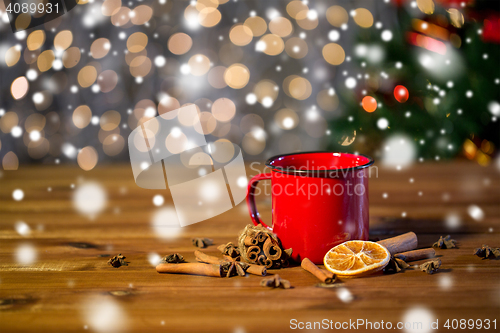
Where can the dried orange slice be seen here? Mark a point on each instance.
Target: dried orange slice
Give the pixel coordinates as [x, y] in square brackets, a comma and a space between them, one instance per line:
[356, 258]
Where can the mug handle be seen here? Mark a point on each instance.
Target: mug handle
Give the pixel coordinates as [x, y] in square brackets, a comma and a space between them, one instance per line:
[252, 207]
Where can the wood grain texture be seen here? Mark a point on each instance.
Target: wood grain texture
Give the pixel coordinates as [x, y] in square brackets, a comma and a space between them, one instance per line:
[70, 277]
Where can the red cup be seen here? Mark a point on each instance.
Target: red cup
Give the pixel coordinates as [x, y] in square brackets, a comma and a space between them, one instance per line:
[319, 200]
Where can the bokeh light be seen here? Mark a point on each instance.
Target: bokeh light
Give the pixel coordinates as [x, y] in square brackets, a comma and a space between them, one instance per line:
[240, 35]
[90, 199]
[257, 25]
[336, 16]
[87, 158]
[179, 43]
[237, 76]
[19, 87]
[223, 109]
[270, 44]
[333, 53]
[363, 17]
[369, 104]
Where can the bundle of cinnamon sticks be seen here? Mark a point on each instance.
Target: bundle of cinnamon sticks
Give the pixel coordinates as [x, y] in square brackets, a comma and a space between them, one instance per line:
[259, 246]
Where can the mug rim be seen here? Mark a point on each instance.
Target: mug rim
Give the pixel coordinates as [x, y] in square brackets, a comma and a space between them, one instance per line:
[354, 168]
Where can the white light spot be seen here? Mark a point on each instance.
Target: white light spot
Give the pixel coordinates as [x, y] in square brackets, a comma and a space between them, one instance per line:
[494, 108]
[242, 181]
[57, 65]
[445, 282]
[104, 315]
[18, 195]
[160, 61]
[16, 131]
[382, 123]
[386, 35]
[400, 151]
[185, 69]
[350, 82]
[154, 258]
[267, 102]
[251, 99]
[158, 200]
[344, 295]
[469, 94]
[334, 35]
[260, 46]
[22, 228]
[418, 315]
[26, 254]
[90, 199]
[475, 212]
[69, 150]
[288, 122]
[31, 74]
[165, 223]
[312, 15]
[35, 135]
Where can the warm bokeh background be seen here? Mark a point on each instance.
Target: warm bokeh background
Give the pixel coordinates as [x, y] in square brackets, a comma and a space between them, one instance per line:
[399, 80]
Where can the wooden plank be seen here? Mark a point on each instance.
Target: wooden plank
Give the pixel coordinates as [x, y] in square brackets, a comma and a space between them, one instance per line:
[70, 277]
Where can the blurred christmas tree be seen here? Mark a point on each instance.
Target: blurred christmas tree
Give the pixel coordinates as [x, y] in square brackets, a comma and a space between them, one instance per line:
[430, 90]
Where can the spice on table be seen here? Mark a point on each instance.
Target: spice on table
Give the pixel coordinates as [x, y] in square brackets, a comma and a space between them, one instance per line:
[323, 275]
[117, 261]
[396, 265]
[173, 258]
[275, 282]
[230, 267]
[416, 254]
[229, 250]
[401, 243]
[487, 252]
[430, 267]
[202, 242]
[445, 243]
[191, 268]
[259, 245]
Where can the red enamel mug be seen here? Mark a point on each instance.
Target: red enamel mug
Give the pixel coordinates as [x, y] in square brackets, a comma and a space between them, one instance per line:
[319, 200]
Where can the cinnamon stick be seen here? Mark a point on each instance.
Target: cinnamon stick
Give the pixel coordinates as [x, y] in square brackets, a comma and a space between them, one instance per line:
[322, 275]
[271, 250]
[205, 258]
[261, 237]
[257, 270]
[401, 243]
[191, 268]
[264, 261]
[416, 254]
[253, 253]
[249, 241]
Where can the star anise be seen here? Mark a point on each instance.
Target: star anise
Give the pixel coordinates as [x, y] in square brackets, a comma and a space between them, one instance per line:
[118, 261]
[445, 243]
[173, 258]
[396, 265]
[275, 282]
[430, 267]
[202, 242]
[487, 252]
[233, 267]
[230, 250]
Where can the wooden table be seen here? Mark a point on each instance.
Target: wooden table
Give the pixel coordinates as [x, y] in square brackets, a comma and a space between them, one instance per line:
[70, 287]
